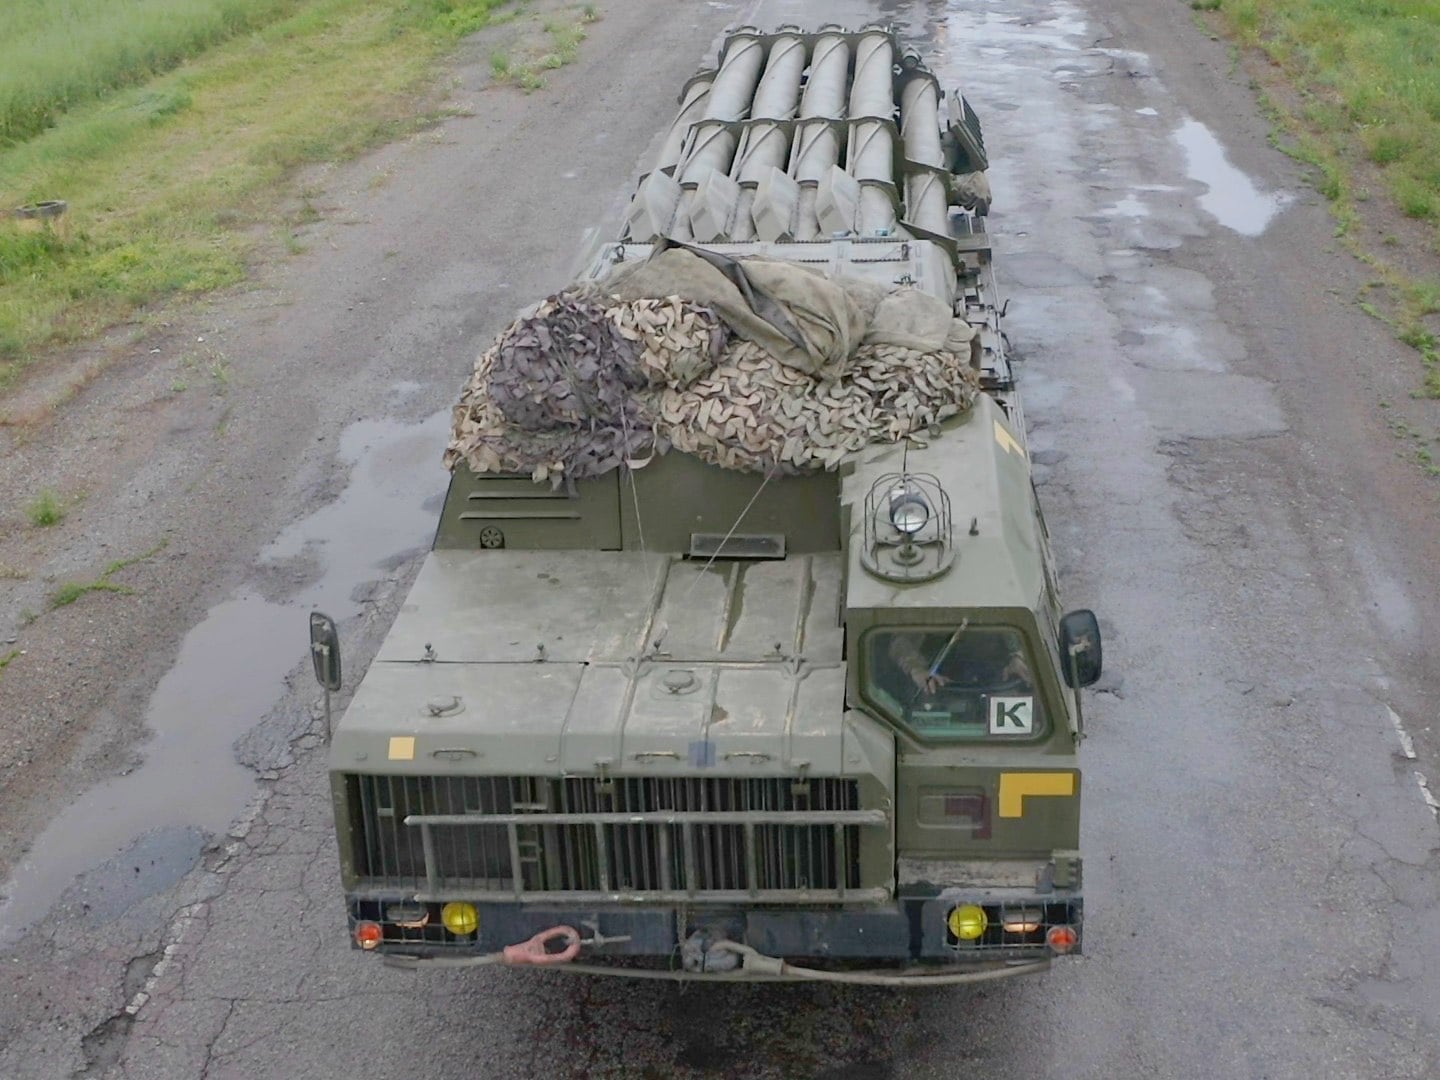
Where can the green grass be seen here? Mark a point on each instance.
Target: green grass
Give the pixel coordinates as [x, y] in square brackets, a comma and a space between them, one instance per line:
[45, 510]
[454, 18]
[556, 44]
[167, 175]
[8, 658]
[1366, 75]
[1419, 449]
[71, 591]
[567, 38]
[57, 54]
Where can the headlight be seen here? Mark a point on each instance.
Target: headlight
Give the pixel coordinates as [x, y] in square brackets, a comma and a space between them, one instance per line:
[1024, 921]
[909, 512]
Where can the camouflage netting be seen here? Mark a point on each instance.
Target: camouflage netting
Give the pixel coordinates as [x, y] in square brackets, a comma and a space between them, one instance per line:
[589, 380]
[754, 413]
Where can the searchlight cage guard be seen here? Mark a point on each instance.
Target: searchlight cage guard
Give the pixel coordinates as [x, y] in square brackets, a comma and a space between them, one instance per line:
[909, 528]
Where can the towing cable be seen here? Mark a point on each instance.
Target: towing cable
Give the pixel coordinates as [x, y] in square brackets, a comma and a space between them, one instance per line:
[536, 951]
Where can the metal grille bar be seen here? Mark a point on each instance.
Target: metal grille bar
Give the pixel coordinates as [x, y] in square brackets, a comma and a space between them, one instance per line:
[672, 839]
[719, 896]
[750, 818]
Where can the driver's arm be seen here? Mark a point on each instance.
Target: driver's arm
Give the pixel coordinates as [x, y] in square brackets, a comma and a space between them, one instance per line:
[1016, 668]
[905, 652]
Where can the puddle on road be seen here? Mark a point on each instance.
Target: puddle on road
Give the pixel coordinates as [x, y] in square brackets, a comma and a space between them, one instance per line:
[383, 511]
[1130, 206]
[995, 34]
[230, 673]
[1233, 199]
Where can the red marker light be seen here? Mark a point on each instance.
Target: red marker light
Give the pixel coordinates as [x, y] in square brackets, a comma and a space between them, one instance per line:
[971, 807]
[1061, 939]
[368, 934]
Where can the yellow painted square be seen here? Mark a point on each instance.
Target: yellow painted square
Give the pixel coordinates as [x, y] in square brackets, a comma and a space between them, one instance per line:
[1007, 441]
[1015, 786]
[402, 747]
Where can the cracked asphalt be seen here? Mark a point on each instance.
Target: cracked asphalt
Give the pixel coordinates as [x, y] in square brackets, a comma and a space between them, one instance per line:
[1210, 421]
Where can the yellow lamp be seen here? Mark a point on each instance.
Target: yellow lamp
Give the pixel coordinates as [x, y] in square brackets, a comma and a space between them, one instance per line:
[967, 922]
[460, 918]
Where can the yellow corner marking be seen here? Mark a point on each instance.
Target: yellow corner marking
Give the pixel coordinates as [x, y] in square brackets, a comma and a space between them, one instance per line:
[402, 747]
[1005, 439]
[1014, 786]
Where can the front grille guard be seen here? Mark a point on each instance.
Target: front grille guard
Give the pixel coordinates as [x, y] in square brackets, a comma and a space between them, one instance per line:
[669, 824]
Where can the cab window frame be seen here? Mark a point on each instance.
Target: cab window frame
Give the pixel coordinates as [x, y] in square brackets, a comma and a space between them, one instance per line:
[1044, 727]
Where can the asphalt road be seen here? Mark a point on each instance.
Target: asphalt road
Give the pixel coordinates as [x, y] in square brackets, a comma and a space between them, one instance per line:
[1212, 422]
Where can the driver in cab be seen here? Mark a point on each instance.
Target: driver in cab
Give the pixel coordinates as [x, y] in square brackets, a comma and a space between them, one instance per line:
[972, 659]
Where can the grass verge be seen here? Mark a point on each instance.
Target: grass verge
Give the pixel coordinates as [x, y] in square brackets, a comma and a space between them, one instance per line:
[71, 591]
[557, 44]
[166, 178]
[1366, 76]
[56, 54]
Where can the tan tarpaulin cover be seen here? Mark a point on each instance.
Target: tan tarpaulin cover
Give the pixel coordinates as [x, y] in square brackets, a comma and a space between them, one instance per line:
[803, 319]
[614, 372]
[799, 316]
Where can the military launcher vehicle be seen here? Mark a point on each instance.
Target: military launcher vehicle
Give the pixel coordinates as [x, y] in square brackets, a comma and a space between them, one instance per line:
[719, 708]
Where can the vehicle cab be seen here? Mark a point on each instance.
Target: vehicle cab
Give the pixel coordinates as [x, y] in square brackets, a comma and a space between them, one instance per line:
[955, 641]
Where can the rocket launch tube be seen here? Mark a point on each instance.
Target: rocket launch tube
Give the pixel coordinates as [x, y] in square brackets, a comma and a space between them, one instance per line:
[926, 202]
[873, 91]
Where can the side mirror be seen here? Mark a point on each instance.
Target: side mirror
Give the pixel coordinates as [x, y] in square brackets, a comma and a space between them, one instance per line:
[325, 650]
[1080, 651]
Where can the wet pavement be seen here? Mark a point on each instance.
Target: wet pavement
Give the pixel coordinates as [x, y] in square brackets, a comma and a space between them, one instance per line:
[1261, 859]
[1231, 197]
[136, 834]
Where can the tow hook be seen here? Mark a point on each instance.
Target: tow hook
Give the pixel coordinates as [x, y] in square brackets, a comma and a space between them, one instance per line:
[536, 951]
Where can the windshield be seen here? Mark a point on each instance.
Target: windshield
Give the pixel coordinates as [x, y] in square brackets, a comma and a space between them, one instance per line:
[967, 682]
